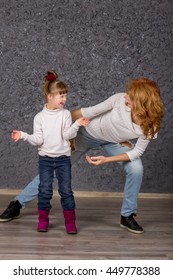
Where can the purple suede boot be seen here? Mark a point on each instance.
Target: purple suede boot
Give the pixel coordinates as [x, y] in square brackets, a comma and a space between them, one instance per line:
[70, 217]
[43, 220]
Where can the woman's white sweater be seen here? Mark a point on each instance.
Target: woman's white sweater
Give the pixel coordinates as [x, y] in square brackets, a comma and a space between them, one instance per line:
[111, 121]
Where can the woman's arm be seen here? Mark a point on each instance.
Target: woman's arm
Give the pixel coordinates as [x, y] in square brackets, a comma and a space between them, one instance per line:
[101, 108]
[130, 155]
[98, 160]
[93, 111]
[139, 149]
[76, 114]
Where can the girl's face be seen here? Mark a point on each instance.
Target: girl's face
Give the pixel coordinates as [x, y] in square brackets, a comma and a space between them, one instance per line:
[56, 100]
[128, 100]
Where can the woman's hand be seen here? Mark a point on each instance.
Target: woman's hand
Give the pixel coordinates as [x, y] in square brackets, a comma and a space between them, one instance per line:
[96, 160]
[16, 135]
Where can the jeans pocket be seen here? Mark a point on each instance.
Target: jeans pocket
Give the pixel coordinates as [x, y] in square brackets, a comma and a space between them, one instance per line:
[127, 144]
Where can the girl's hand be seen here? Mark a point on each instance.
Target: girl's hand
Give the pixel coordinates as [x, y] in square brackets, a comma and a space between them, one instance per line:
[96, 160]
[83, 121]
[16, 135]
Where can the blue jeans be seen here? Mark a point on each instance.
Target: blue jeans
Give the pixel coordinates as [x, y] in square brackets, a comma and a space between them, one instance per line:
[85, 142]
[61, 166]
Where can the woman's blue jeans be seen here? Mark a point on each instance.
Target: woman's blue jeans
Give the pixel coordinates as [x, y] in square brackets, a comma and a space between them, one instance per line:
[85, 142]
[61, 167]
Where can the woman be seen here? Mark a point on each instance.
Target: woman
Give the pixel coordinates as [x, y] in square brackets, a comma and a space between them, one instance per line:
[136, 114]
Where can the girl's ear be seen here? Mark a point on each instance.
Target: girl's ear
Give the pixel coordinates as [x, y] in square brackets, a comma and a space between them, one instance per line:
[49, 96]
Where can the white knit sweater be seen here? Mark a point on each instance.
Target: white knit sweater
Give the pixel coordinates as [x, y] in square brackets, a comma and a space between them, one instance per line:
[111, 121]
[52, 131]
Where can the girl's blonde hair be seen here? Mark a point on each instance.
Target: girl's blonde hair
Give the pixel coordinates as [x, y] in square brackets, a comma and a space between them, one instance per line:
[147, 105]
[51, 82]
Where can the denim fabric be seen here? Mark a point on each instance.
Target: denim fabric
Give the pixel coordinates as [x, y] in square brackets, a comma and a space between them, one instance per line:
[29, 192]
[133, 169]
[61, 166]
[83, 143]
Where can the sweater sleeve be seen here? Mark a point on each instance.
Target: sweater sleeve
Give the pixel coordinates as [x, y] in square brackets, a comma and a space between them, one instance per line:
[138, 149]
[35, 139]
[107, 105]
[70, 130]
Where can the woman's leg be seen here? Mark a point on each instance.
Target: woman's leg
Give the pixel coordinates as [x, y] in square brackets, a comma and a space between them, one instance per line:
[29, 193]
[84, 142]
[134, 174]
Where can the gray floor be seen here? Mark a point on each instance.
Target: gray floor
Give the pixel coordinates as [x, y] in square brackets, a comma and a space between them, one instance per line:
[99, 234]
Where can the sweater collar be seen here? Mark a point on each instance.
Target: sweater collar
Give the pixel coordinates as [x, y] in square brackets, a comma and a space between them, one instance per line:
[51, 112]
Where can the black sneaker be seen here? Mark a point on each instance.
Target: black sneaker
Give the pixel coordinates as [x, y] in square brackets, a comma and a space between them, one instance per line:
[12, 211]
[130, 224]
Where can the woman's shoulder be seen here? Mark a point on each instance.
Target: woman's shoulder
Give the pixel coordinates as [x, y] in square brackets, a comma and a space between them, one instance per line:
[118, 98]
[120, 94]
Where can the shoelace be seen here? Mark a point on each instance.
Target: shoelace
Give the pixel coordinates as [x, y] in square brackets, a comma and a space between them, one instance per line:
[132, 220]
[9, 209]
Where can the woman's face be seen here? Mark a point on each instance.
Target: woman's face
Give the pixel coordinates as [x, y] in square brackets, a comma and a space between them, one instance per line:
[128, 100]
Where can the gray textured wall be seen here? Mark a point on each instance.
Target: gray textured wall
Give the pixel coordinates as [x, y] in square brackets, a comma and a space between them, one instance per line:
[95, 46]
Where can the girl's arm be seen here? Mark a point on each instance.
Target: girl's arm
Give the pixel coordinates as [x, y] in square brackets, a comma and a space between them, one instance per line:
[16, 135]
[35, 139]
[70, 130]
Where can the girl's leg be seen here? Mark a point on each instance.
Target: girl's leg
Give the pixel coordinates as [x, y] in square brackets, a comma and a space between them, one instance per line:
[45, 193]
[63, 174]
[45, 190]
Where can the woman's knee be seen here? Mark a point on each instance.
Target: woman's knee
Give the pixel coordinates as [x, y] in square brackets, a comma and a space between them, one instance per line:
[134, 167]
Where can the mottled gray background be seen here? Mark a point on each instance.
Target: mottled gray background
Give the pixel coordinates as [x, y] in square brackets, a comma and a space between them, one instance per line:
[95, 46]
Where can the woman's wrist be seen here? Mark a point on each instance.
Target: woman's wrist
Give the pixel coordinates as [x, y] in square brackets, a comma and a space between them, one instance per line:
[121, 157]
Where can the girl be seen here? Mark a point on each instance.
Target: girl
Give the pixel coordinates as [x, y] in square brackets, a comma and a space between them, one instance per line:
[52, 130]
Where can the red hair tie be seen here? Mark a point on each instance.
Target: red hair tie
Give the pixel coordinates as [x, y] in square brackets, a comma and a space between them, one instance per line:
[50, 77]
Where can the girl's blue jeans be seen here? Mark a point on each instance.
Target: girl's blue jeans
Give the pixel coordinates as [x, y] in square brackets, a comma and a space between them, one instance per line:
[85, 142]
[61, 168]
